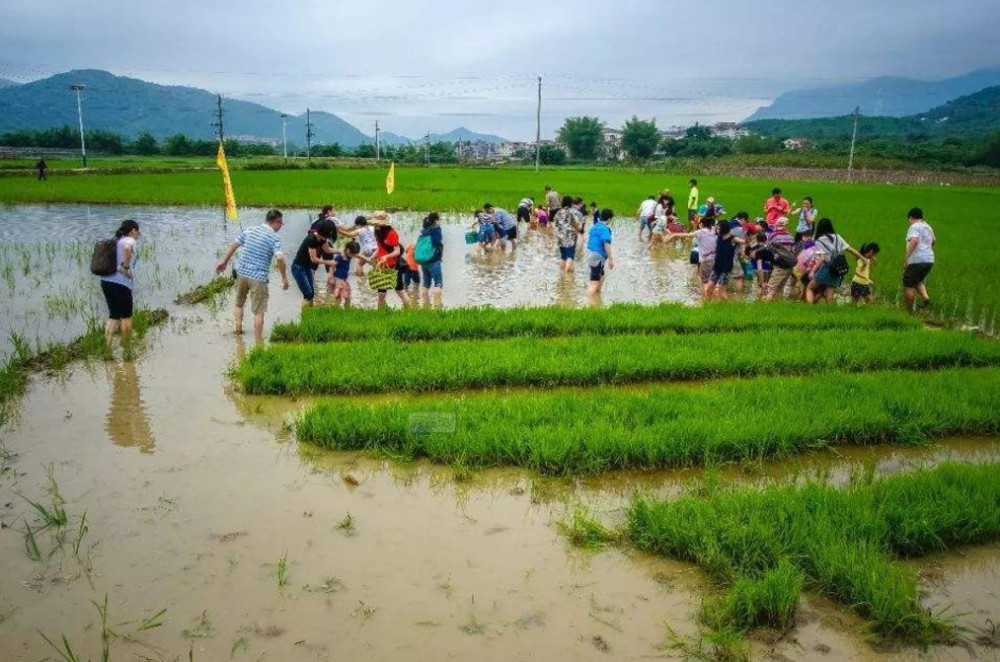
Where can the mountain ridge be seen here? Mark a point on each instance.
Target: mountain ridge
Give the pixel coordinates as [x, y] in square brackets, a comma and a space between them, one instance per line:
[891, 96]
[130, 106]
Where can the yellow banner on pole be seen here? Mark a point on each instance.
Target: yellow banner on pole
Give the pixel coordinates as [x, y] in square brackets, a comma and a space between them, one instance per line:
[227, 184]
[390, 179]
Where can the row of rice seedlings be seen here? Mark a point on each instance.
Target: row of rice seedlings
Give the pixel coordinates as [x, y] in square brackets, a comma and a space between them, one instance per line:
[206, 292]
[468, 364]
[327, 324]
[766, 543]
[586, 431]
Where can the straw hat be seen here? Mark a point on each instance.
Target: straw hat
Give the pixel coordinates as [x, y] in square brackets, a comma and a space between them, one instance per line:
[379, 218]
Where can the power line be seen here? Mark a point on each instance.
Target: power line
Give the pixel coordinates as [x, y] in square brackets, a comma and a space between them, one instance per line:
[218, 120]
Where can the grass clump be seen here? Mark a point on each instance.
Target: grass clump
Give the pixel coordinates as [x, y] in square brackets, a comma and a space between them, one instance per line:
[675, 425]
[582, 530]
[327, 324]
[467, 364]
[206, 292]
[840, 543]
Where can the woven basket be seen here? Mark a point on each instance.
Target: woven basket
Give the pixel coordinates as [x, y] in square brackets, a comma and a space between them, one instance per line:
[382, 279]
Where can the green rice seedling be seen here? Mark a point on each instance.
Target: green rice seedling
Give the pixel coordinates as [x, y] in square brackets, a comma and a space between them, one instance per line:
[202, 627]
[31, 543]
[327, 324]
[346, 524]
[65, 652]
[281, 571]
[582, 530]
[467, 364]
[675, 425]
[840, 543]
[81, 533]
[240, 643]
[206, 292]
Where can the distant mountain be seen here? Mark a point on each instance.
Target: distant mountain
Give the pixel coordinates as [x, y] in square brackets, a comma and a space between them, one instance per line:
[130, 106]
[389, 138]
[972, 113]
[6, 82]
[886, 96]
[465, 135]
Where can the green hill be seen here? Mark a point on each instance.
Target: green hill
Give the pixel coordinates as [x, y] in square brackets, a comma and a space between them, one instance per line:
[970, 114]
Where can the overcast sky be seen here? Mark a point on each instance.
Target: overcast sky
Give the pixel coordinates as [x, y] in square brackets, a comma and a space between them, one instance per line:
[433, 65]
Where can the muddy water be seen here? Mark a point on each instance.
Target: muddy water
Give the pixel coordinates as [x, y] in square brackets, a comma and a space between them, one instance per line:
[193, 495]
[49, 293]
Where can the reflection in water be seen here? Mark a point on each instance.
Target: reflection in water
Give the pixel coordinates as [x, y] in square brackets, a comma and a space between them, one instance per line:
[127, 423]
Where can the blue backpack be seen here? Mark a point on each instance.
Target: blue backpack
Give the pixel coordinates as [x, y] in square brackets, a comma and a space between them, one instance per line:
[424, 252]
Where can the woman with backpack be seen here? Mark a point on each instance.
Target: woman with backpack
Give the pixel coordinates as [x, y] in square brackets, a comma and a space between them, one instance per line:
[389, 255]
[117, 286]
[829, 263]
[428, 253]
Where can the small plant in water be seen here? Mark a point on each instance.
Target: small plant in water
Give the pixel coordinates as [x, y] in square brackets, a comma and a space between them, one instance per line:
[346, 524]
[584, 531]
[281, 571]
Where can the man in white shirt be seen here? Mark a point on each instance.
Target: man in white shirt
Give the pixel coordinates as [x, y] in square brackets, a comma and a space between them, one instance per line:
[647, 215]
[919, 260]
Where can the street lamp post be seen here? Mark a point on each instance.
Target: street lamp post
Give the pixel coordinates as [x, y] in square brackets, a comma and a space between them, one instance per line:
[284, 137]
[79, 114]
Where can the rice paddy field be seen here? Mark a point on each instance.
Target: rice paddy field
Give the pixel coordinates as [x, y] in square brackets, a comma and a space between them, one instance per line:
[861, 212]
[526, 474]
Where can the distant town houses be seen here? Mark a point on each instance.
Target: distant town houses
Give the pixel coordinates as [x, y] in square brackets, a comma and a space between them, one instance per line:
[797, 143]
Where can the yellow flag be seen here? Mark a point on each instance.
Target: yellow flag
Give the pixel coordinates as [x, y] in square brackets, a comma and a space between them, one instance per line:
[227, 184]
[390, 179]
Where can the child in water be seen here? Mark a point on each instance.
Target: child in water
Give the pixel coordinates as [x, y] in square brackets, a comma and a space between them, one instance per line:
[485, 229]
[861, 285]
[337, 284]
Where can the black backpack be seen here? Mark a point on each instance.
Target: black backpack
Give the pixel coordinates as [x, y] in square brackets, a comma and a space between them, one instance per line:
[837, 264]
[784, 258]
[104, 261]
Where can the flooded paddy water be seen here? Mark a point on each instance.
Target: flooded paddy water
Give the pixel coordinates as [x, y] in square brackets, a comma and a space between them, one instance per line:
[199, 501]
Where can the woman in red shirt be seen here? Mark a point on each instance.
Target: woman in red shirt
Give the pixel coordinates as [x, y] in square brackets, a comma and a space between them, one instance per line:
[388, 255]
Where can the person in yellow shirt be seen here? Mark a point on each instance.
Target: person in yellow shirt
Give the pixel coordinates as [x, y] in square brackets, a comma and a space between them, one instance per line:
[861, 284]
[693, 202]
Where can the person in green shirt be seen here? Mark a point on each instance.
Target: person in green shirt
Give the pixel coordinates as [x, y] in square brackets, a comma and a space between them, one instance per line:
[693, 201]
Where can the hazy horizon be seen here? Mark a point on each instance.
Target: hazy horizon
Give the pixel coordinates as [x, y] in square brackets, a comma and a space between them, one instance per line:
[419, 70]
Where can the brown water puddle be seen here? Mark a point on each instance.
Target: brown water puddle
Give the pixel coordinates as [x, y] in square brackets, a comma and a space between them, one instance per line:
[193, 500]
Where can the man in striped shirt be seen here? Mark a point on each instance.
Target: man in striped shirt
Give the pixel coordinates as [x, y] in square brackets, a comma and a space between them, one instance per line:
[260, 246]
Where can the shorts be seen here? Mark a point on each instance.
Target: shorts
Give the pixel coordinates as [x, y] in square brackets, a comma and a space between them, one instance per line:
[486, 236]
[737, 270]
[705, 269]
[523, 215]
[826, 279]
[510, 234]
[695, 255]
[257, 291]
[596, 263]
[304, 278]
[859, 291]
[916, 273]
[431, 274]
[567, 252]
[717, 278]
[399, 282]
[410, 277]
[119, 300]
[646, 222]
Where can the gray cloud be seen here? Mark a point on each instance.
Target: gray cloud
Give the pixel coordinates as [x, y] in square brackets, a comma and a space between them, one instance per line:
[422, 66]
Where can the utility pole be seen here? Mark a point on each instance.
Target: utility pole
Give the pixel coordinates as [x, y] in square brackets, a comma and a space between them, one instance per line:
[309, 136]
[538, 127]
[218, 120]
[284, 135]
[79, 114]
[378, 146]
[854, 137]
[427, 148]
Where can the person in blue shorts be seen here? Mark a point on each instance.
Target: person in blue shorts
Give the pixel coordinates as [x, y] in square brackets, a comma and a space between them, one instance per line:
[599, 251]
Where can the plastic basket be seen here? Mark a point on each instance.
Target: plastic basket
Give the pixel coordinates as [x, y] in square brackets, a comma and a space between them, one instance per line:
[382, 279]
[471, 237]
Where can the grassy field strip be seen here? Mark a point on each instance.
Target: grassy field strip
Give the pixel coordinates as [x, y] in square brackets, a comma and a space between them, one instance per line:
[327, 324]
[587, 431]
[766, 543]
[378, 367]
